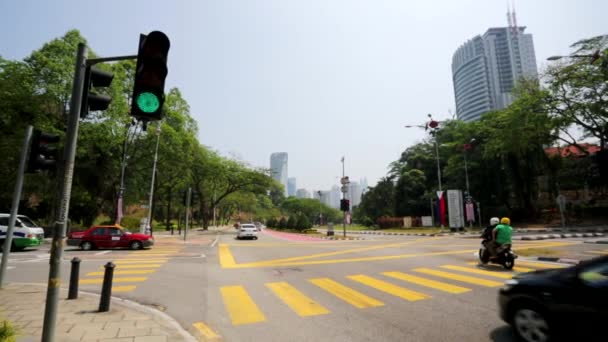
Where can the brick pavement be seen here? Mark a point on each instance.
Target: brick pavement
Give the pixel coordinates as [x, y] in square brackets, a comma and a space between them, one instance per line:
[78, 320]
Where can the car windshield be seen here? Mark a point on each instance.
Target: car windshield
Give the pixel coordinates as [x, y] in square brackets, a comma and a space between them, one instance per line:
[27, 222]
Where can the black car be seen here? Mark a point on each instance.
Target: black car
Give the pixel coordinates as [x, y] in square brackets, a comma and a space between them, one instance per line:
[558, 304]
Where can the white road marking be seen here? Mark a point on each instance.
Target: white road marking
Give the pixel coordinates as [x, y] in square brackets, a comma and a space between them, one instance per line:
[102, 253]
[217, 238]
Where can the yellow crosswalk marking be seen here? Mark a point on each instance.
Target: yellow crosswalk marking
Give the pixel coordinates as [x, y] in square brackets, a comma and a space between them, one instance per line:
[241, 308]
[157, 255]
[139, 261]
[347, 294]
[539, 264]
[100, 273]
[126, 288]
[115, 280]
[389, 288]
[296, 300]
[427, 282]
[516, 268]
[598, 252]
[459, 277]
[497, 274]
[207, 332]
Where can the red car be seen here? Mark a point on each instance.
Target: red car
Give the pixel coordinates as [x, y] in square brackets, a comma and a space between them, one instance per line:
[108, 237]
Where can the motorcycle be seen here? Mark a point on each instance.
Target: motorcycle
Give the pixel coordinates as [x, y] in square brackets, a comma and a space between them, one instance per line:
[504, 256]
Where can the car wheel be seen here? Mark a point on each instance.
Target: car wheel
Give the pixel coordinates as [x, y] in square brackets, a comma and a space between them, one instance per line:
[86, 246]
[530, 324]
[136, 245]
[255, 237]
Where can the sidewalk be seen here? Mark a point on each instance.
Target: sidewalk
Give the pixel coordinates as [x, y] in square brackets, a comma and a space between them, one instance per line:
[78, 320]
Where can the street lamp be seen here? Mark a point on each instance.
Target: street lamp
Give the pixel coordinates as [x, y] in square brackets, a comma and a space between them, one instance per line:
[320, 208]
[432, 124]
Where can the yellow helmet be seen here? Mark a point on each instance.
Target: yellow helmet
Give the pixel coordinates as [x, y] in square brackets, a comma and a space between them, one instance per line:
[505, 220]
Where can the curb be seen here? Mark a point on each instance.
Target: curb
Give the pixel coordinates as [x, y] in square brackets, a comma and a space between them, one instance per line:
[599, 241]
[135, 306]
[559, 260]
[557, 236]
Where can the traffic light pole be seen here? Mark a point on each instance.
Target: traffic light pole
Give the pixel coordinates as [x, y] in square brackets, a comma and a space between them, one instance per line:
[149, 223]
[54, 282]
[8, 240]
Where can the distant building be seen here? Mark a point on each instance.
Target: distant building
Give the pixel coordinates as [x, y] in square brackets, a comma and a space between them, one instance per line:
[334, 197]
[278, 168]
[485, 69]
[354, 194]
[364, 185]
[302, 193]
[291, 186]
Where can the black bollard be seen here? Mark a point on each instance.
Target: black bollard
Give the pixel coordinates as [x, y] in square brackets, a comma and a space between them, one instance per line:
[106, 288]
[74, 275]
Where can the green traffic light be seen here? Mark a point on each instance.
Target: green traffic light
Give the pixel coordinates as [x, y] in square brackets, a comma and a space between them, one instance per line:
[147, 102]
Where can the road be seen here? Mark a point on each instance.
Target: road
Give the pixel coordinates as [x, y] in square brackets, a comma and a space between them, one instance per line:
[283, 287]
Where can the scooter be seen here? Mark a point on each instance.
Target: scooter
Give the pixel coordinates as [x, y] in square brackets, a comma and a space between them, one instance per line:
[504, 256]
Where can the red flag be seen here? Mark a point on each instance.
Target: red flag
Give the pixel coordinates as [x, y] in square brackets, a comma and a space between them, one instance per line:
[444, 218]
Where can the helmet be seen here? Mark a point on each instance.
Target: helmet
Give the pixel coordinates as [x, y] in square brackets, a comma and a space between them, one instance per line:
[505, 220]
[494, 221]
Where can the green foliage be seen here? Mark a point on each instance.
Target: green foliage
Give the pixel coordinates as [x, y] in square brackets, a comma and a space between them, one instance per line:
[303, 223]
[8, 333]
[282, 223]
[291, 222]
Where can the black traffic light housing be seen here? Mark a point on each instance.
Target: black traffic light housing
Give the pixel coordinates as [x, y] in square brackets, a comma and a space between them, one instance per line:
[92, 101]
[42, 155]
[150, 73]
[345, 205]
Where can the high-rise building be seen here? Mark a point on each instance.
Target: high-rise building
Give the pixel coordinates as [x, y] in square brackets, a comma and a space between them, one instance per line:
[291, 186]
[354, 194]
[485, 69]
[302, 193]
[334, 197]
[278, 168]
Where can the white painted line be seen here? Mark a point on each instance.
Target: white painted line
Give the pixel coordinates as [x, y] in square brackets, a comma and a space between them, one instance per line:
[217, 238]
[102, 253]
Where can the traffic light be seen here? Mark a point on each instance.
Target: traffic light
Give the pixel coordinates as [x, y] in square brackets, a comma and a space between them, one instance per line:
[93, 101]
[345, 205]
[42, 155]
[150, 74]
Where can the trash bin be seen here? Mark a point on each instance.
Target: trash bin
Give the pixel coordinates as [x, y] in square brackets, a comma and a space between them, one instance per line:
[330, 229]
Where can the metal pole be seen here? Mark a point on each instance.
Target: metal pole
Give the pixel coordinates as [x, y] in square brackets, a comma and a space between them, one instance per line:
[344, 197]
[187, 212]
[8, 240]
[438, 166]
[479, 213]
[54, 282]
[123, 166]
[466, 173]
[214, 211]
[153, 176]
[432, 212]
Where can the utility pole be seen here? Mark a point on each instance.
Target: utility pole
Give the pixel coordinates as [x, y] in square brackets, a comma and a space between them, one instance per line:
[8, 240]
[54, 282]
[344, 189]
[149, 224]
[320, 209]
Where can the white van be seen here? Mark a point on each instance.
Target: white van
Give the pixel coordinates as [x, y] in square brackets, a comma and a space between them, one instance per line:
[26, 232]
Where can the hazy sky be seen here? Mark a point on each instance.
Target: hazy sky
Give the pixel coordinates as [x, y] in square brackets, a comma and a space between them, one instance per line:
[315, 78]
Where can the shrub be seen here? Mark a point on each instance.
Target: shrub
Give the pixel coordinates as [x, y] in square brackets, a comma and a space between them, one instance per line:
[282, 223]
[303, 223]
[292, 222]
[7, 332]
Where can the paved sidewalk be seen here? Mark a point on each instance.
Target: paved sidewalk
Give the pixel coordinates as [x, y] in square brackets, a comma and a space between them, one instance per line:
[78, 320]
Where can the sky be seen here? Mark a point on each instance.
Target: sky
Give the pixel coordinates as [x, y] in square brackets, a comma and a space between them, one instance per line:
[318, 79]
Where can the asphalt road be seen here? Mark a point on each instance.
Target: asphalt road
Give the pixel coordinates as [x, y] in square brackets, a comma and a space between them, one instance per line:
[391, 288]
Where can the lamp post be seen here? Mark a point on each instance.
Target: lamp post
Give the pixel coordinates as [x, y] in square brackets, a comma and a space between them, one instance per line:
[149, 222]
[432, 124]
[320, 208]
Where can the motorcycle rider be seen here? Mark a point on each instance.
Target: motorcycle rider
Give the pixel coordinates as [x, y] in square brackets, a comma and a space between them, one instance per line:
[486, 235]
[501, 236]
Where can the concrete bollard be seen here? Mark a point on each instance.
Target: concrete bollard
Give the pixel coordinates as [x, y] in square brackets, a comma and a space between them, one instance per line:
[74, 277]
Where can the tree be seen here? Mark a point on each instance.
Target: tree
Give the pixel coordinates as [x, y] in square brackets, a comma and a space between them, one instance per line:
[410, 199]
[378, 201]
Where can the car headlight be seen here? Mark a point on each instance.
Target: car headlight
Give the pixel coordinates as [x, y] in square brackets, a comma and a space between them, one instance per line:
[509, 284]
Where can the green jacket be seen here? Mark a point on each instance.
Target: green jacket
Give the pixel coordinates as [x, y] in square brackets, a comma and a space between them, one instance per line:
[503, 233]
